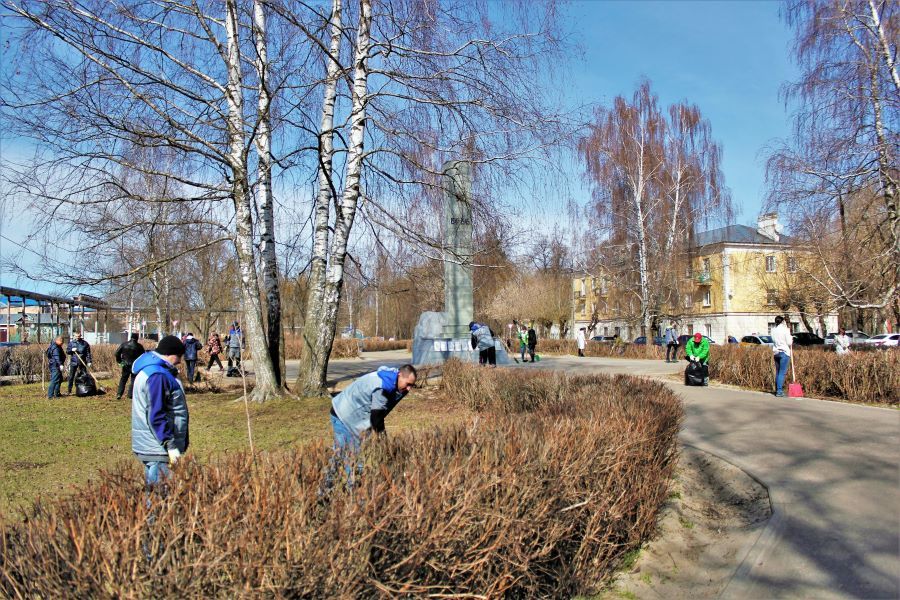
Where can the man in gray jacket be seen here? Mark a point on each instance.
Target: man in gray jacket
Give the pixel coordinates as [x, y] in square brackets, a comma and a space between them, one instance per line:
[360, 410]
[159, 412]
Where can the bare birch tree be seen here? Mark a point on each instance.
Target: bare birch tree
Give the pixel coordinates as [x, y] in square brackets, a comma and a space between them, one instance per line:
[844, 143]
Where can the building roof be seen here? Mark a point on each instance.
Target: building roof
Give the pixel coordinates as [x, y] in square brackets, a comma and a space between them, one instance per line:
[737, 234]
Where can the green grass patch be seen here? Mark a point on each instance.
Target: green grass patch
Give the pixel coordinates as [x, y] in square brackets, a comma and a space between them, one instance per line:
[51, 445]
[686, 523]
[630, 558]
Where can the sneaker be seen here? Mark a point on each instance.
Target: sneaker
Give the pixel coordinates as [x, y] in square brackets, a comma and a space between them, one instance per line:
[779, 394]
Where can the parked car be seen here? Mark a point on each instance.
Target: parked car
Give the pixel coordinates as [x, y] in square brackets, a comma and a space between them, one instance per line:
[856, 337]
[757, 340]
[657, 340]
[682, 339]
[884, 340]
[805, 338]
[605, 339]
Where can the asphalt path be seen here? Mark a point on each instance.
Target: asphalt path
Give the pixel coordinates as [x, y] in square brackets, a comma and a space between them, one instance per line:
[832, 470]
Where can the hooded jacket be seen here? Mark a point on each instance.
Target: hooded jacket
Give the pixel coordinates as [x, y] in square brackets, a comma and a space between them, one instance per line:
[159, 412]
[701, 350]
[191, 347]
[483, 337]
[373, 392]
[81, 348]
[56, 356]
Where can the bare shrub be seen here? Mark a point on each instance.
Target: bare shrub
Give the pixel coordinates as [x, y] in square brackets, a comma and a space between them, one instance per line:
[376, 345]
[342, 348]
[602, 350]
[856, 377]
[534, 498]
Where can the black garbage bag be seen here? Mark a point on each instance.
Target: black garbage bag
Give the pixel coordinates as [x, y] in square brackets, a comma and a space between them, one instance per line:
[696, 374]
[84, 385]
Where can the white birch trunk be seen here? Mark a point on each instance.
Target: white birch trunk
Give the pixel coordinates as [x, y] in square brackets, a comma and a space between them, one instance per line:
[266, 385]
[274, 330]
[884, 46]
[309, 380]
[349, 201]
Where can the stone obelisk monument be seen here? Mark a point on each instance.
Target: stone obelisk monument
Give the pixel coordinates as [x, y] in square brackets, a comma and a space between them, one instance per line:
[457, 249]
[442, 335]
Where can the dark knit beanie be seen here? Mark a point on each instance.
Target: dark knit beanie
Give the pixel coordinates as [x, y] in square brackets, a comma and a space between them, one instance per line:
[170, 345]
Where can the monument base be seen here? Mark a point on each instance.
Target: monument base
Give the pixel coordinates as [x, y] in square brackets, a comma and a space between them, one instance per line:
[431, 346]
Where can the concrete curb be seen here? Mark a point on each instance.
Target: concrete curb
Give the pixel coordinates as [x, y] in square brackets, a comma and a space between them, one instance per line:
[740, 584]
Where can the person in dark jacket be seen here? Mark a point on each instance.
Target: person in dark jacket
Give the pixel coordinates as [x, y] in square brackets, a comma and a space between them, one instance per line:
[56, 360]
[192, 347]
[159, 412]
[79, 352]
[126, 354]
[532, 341]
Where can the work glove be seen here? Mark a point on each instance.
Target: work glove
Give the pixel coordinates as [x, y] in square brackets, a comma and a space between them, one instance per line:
[174, 455]
[90, 365]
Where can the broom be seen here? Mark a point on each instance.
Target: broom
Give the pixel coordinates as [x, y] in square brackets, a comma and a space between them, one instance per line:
[795, 390]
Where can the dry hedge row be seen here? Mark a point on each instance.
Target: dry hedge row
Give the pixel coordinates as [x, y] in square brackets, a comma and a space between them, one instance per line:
[539, 496]
[603, 350]
[28, 360]
[857, 377]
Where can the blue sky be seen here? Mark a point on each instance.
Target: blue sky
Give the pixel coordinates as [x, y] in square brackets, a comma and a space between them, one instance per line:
[729, 58]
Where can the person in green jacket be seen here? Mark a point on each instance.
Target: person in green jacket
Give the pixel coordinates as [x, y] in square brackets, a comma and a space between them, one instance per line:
[697, 349]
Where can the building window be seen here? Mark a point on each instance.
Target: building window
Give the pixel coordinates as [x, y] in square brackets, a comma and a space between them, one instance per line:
[770, 264]
[617, 331]
[603, 285]
[792, 264]
[691, 329]
[688, 301]
[708, 327]
[689, 271]
[583, 287]
[706, 267]
[771, 297]
[707, 298]
[606, 332]
[581, 308]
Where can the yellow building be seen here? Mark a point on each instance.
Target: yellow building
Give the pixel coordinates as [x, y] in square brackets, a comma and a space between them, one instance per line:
[736, 285]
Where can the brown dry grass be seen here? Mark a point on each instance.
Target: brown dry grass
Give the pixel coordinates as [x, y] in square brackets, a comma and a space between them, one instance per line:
[540, 496]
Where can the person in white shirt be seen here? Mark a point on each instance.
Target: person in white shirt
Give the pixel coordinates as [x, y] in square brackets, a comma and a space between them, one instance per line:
[842, 342]
[782, 340]
[579, 339]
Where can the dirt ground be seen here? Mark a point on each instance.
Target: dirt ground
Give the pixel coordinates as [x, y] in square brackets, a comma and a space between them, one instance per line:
[714, 511]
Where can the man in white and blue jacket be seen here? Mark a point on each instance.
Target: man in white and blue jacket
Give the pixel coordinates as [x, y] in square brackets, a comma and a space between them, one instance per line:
[159, 412]
[363, 406]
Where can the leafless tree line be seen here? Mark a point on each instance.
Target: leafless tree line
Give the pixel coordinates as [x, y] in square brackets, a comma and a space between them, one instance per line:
[155, 122]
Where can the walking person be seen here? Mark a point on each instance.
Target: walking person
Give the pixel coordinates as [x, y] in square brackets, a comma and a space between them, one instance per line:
[159, 411]
[532, 342]
[214, 347]
[126, 354]
[192, 347]
[360, 410]
[483, 341]
[671, 340]
[79, 352]
[522, 334]
[580, 341]
[783, 342]
[235, 344]
[842, 342]
[56, 360]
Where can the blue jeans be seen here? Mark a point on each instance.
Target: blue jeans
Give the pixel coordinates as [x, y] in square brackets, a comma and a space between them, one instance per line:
[346, 447]
[522, 349]
[781, 363]
[53, 389]
[154, 472]
[190, 367]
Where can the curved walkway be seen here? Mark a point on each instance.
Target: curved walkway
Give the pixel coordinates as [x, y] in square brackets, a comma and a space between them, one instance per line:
[832, 470]
[833, 474]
